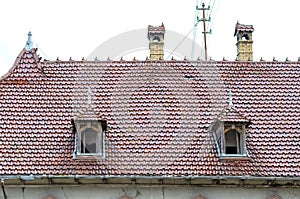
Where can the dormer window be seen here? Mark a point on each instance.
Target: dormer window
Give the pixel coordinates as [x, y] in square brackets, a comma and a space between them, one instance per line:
[90, 137]
[229, 130]
[89, 133]
[233, 139]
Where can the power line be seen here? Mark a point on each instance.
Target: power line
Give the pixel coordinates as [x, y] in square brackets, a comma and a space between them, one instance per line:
[212, 15]
[194, 42]
[41, 50]
[182, 40]
[202, 52]
[214, 12]
[212, 7]
[194, 32]
[209, 2]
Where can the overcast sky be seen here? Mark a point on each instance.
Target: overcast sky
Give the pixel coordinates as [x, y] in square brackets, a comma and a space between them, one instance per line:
[75, 28]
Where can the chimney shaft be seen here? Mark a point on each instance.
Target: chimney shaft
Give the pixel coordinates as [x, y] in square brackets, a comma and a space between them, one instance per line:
[244, 42]
[156, 42]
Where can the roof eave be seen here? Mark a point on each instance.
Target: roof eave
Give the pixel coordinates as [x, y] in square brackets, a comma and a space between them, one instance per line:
[71, 180]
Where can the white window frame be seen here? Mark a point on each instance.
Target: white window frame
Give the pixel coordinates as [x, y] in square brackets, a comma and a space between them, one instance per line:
[81, 127]
[241, 149]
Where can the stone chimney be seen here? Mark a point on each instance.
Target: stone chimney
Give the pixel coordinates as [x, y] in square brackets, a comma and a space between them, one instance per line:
[244, 42]
[156, 42]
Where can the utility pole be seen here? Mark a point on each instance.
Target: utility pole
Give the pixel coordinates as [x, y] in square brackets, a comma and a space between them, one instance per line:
[204, 26]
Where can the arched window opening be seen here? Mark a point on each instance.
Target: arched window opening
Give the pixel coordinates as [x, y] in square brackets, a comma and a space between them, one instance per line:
[88, 141]
[49, 196]
[156, 38]
[245, 37]
[89, 138]
[125, 197]
[199, 197]
[232, 142]
[274, 197]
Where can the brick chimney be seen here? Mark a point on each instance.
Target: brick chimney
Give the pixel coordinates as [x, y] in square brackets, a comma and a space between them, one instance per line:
[244, 42]
[156, 41]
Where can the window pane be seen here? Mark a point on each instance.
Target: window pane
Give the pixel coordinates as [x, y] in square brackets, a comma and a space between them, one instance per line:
[232, 142]
[88, 141]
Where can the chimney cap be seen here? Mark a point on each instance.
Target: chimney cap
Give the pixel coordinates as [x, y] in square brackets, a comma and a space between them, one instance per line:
[156, 29]
[242, 28]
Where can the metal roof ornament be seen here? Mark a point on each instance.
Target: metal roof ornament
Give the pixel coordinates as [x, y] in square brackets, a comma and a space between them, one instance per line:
[29, 44]
[89, 96]
[230, 103]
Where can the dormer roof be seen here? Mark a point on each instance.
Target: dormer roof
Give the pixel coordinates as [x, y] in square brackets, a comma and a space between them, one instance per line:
[87, 114]
[231, 114]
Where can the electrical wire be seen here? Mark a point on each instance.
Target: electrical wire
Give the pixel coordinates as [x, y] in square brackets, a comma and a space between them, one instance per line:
[202, 51]
[212, 7]
[41, 50]
[182, 40]
[213, 12]
[210, 13]
[195, 31]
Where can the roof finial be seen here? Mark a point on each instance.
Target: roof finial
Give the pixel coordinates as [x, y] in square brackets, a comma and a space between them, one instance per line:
[29, 45]
[89, 96]
[230, 99]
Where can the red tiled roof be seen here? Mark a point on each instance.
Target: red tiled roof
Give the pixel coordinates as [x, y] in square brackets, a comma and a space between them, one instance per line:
[230, 114]
[158, 114]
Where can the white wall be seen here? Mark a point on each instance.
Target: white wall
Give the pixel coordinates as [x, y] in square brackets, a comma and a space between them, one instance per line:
[157, 192]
